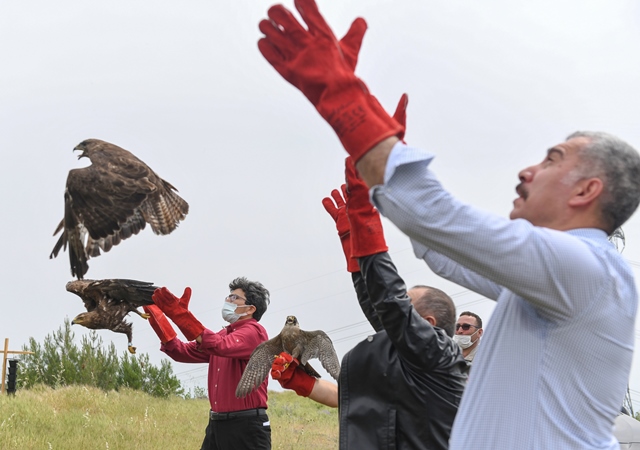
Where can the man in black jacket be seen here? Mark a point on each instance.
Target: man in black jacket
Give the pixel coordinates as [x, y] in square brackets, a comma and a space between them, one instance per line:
[401, 387]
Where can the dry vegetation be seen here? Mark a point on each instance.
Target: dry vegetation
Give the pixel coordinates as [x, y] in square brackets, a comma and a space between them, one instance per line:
[88, 418]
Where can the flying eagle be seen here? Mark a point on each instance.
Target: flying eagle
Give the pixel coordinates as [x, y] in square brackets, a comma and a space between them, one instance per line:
[303, 345]
[109, 301]
[111, 200]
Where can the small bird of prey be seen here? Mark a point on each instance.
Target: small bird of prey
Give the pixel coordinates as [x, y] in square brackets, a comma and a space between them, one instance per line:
[111, 200]
[302, 345]
[109, 301]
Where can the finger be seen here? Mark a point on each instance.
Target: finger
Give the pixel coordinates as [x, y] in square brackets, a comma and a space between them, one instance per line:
[283, 19]
[286, 44]
[330, 207]
[186, 297]
[273, 56]
[345, 192]
[338, 198]
[315, 22]
[352, 41]
[401, 110]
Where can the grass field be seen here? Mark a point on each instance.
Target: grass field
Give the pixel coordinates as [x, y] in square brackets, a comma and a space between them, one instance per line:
[87, 418]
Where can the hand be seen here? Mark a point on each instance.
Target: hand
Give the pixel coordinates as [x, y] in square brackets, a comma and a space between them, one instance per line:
[367, 235]
[285, 369]
[159, 323]
[323, 70]
[338, 212]
[176, 309]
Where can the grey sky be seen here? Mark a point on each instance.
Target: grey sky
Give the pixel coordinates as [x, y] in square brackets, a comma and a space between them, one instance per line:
[182, 85]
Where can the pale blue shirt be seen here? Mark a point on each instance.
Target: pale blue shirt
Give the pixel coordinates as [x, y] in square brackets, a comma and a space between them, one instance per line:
[555, 358]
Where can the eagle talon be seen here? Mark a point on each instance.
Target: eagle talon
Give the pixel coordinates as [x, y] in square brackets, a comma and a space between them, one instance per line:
[131, 349]
[145, 315]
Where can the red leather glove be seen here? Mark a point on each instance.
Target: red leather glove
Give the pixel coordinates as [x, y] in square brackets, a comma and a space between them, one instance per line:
[176, 310]
[338, 212]
[285, 369]
[314, 61]
[367, 235]
[159, 323]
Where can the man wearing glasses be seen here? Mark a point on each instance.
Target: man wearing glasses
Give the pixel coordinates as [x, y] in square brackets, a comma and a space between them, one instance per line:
[234, 423]
[468, 333]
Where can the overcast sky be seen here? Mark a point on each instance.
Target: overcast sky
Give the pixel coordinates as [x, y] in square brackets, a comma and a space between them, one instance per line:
[182, 85]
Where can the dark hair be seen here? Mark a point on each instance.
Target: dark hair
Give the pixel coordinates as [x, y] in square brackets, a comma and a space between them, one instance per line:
[617, 164]
[474, 315]
[256, 294]
[436, 303]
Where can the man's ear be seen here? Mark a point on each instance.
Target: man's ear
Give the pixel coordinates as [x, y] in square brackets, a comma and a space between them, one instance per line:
[586, 192]
[431, 320]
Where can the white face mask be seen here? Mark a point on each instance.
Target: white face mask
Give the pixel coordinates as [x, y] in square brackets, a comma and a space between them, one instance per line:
[464, 340]
[229, 312]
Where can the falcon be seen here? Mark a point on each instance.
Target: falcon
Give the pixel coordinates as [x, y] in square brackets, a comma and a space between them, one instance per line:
[303, 345]
[111, 200]
[108, 302]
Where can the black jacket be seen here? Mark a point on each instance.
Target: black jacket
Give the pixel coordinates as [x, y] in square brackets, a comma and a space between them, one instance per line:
[401, 387]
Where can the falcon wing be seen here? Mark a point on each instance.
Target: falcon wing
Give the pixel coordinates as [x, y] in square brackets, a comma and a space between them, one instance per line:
[319, 346]
[258, 366]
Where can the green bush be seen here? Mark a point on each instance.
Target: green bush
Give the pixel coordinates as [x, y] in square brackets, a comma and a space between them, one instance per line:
[59, 362]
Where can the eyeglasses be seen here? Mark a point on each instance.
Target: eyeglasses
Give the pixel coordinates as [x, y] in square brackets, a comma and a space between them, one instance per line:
[464, 326]
[233, 297]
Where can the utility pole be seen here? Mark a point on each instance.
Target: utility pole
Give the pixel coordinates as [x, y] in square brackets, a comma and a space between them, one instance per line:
[4, 361]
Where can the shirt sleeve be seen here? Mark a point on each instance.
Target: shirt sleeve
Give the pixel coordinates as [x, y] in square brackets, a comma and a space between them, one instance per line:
[184, 352]
[238, 343]
[527, 260]
[417, 342]
[454, 272]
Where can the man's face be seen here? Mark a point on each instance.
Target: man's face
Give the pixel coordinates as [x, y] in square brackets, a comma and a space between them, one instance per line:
[463, 321]
[545, 188]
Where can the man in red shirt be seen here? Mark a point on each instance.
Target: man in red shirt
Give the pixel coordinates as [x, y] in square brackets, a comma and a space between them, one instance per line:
[234, 423]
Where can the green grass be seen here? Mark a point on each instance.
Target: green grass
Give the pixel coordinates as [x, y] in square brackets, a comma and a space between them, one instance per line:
[88, 418]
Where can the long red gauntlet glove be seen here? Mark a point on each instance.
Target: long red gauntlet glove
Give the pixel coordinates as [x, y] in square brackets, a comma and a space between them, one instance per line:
[323, 70]
[285, 369]
[159, 323]
[338, 212]
[367, 235]
[176, 310]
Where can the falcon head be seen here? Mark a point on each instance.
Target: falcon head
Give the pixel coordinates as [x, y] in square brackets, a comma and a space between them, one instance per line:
[292, 321]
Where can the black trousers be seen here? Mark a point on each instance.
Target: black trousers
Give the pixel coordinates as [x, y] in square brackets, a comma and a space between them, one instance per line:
[238, 433]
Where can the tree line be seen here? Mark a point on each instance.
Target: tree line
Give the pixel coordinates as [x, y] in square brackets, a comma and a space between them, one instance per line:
[58, 361]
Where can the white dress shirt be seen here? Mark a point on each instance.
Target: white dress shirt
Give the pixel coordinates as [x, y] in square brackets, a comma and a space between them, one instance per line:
[556, 354]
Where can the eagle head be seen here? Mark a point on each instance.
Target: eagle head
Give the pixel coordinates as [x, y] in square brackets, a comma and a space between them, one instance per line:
[292, 321]
[87, 146]
[80, 319]
[77, 286]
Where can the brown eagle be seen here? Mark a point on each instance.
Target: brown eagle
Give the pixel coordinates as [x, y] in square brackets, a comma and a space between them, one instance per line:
[303, 345]
[109, 301]
[111, 200]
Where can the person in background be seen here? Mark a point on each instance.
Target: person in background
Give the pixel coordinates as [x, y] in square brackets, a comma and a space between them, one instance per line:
[468, 333]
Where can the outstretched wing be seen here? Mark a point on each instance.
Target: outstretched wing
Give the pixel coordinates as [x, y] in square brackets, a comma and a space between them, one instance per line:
[258, 366]
[319, 346]
[112, 200]
[134, 292]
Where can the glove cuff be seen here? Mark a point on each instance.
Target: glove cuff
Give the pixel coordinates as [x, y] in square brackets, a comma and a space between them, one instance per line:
[357, 117]
[188, 324]
[301, 383]
[367, 236]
